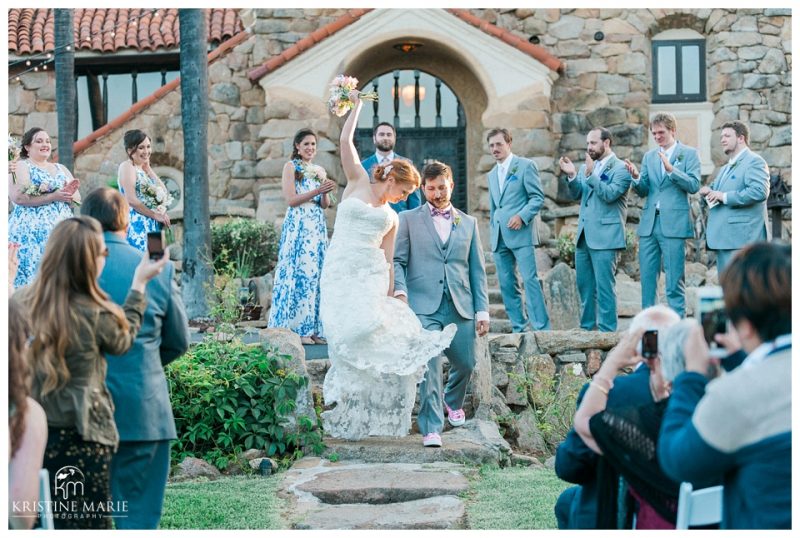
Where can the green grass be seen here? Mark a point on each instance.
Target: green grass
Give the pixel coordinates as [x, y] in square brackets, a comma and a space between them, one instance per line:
[514, 498]
[227, 503]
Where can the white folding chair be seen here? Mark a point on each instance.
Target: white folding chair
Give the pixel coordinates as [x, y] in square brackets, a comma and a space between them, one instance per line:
[46, 516]
[698, 507]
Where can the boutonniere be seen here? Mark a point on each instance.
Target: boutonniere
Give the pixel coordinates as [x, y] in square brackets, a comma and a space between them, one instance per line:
[679, 158]
[606, 168]
[735, 163]
[512, 174]
[456, 221]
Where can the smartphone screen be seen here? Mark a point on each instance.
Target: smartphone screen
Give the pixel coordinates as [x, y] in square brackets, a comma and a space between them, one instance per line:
[711, 314]
[650, 344]
[155, 245]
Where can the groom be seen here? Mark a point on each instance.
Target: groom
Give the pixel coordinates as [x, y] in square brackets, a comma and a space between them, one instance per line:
[439, 270]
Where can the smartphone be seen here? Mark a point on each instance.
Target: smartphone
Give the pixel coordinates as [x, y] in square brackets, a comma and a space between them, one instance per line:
[155, 245]
[650, 344]
[710, 312]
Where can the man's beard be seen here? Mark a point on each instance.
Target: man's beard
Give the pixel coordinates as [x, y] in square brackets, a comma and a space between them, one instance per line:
[594, 155]
[385, 146]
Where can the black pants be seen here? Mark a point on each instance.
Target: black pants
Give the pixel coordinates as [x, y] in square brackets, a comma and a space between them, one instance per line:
[79, 480]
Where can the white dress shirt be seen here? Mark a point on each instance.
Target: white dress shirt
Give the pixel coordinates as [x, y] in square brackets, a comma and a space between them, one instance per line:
[389, 156]
[502, 171]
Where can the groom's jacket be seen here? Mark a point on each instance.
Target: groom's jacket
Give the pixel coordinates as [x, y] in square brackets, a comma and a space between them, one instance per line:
[424, 267]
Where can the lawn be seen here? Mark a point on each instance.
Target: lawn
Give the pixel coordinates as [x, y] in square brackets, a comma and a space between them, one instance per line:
[514, 498]
[509, 498]
[227, 503]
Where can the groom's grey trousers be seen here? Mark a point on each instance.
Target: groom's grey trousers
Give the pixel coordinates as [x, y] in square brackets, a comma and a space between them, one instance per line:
[460, 354]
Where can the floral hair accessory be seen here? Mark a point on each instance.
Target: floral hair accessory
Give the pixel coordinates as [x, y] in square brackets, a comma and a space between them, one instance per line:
[386, 171]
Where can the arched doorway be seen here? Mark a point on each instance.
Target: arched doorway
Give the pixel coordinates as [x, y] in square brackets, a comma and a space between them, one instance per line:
[428, 118]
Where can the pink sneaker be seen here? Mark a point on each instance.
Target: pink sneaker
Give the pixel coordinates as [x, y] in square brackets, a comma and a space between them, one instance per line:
[432, 439]
[455, 417]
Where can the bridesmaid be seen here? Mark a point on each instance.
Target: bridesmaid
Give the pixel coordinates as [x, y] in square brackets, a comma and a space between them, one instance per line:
[136, 179]
[41, 195]
[304, 238]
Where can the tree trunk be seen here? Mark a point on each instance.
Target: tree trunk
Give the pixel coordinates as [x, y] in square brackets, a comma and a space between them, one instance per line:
[197, 271]
[65, 87]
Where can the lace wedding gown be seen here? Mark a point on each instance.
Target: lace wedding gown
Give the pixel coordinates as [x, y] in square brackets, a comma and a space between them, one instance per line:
[377, 346]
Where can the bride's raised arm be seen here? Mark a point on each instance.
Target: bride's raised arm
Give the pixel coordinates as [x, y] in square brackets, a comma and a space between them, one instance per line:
[351, 163]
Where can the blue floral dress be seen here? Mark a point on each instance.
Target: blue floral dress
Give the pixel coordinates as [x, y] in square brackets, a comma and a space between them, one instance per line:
[31, 226]
[140, 225]
[304, 239]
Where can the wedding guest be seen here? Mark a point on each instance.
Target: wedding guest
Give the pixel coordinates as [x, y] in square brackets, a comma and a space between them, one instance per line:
[41, 195]
[144, 191]
[76, 324]
[304, 238]
[27, 425]
[384, 137]
[140, 466]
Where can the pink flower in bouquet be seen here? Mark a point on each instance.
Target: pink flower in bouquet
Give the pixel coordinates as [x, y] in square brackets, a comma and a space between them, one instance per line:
[339, 101]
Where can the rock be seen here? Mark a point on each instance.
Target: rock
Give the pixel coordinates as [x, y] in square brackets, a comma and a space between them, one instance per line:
[594, 359]
[505, 342]
[629, 296]
[632, 64]
[499, 408]
[378, 484]
[192, 468]
[570, 357]
[253, 453]
[529, 438]
[255, 464]
[225, 92]
[568, 27]
[287, 342]
[782, 136]
[561, 296]
[550, 463]
[553, 342]
[612, 84]
[445, 512]
[541, 371]
[605, 117]
[516, 391]
[695, 274]
[774, 62]
[499, 375]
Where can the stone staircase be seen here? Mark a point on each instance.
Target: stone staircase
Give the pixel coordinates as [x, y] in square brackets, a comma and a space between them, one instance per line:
[498, 319]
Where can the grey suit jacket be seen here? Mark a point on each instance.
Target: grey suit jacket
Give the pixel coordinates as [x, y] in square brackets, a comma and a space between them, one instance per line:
[423, 265]
[522, 195]
[604, 204]
[744, 218]
[671, 191]
[136, 379]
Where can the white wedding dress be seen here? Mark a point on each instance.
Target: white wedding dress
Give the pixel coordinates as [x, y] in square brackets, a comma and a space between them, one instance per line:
[377, 346]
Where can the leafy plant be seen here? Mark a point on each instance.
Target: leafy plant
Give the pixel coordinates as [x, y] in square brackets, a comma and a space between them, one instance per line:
[229, 397]
[240, 241]
[566, 248]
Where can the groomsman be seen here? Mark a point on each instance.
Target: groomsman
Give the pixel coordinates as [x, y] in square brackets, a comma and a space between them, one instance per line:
[601, 184]
[384, 138]
[440, 273]
[737, 199]
[669, 174]
[515, 197]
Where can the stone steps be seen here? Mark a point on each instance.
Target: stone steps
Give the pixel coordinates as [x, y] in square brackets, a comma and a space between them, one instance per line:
[357, 495]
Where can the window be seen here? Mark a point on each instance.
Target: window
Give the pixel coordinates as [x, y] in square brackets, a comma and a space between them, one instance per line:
[679, 71]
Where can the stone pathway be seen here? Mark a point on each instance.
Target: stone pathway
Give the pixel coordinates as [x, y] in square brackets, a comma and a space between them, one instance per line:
[391, 483]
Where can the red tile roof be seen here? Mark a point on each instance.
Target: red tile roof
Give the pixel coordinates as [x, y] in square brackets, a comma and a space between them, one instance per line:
[306, 43]
[31, 31]
[535, 51]
[140, 105]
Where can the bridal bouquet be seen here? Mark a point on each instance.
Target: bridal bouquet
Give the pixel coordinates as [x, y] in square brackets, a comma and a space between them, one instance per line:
[13, 153]
[314, 173]
[155, 196]
[339, 102]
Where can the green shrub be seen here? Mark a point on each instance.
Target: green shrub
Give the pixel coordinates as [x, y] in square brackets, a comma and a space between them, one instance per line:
[566, 248]
[244, 246]
[228, 397]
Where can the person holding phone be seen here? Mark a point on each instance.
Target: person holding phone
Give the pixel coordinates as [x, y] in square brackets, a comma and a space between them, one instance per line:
[76, 325]
[739, 426]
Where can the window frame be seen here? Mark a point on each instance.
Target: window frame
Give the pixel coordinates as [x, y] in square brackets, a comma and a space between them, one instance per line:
[679, 96]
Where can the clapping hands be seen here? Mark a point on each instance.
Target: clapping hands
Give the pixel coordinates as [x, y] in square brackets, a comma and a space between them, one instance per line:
[634, 172]
[567, 166]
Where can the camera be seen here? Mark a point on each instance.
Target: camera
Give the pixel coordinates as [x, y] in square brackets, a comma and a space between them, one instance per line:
[650, 344]
[155, 245]
[711, 314]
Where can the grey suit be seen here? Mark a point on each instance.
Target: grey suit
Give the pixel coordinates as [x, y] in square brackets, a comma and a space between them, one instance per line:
[445, 283]
[521, 195]
[743, 219]
[663, 232]
[138, 386]
[601, 233]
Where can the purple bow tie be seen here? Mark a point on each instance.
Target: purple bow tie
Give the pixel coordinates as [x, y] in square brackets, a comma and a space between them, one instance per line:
[440, 212]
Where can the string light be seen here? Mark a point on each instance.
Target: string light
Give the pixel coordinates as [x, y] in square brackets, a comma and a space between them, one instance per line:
[48, 56]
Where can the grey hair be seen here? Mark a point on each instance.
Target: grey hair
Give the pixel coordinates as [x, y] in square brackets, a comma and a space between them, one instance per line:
[670, 346]
[658, 317]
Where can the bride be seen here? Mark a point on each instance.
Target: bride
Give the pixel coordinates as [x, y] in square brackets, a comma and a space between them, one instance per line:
[377, 346]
